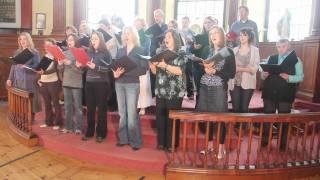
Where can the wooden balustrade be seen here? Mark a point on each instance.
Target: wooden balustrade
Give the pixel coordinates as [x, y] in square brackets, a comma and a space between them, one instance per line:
[20, 115]
[246, 155]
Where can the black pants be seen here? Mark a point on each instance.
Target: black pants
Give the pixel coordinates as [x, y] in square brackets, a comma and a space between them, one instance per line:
[197, 74]
[189, 82]
[112, 102]
[164, 124]
[97, 96]
[270, 107]
[241, 99]
[152, 83]
[50, 93]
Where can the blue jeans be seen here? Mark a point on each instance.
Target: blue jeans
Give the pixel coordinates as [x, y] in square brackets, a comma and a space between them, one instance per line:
[73, 107]
[129, 128]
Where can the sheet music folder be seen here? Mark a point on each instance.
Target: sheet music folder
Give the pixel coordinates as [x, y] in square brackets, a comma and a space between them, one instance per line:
[44, 64]
[80, 55]
[105, 35]
[56, 52]
[23, 57]
[123, 62]
[167, 55]
[219, 56]
[271, 68]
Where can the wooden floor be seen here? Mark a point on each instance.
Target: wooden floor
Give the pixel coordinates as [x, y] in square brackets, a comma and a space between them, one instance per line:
[20, 162]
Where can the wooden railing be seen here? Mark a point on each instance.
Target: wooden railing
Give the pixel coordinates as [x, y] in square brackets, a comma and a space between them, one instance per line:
[245, 153]
[20, 116]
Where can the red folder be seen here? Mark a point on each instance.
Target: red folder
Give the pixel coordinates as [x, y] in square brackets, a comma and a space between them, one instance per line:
[56, 52]
[80, 55]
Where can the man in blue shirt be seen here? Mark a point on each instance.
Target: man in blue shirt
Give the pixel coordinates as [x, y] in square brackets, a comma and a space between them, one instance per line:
[244, 22]
[280, 89]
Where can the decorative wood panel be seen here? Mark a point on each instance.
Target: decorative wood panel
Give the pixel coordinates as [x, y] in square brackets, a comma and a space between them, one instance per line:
[59, 16]
[26, 14]
[80, 12]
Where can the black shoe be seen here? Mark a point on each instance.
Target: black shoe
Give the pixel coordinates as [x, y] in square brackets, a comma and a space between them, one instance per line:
[135, 148]
[85, 138]
[120, 145]
[99, 139]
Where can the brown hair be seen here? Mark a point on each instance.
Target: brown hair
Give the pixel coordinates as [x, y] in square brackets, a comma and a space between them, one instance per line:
[102, 45]
[176, 38]
[51, 40]
[72, 28]
[76, 39]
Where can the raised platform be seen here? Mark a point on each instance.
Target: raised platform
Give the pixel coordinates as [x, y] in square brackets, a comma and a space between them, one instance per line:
[148, 158]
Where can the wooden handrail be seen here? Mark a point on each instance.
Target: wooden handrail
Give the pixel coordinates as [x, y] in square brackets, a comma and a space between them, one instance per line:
[20, 115]
[245, 150]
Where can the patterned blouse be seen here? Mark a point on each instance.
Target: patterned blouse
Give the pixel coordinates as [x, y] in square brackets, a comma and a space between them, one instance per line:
[213, 80]
[169, 85]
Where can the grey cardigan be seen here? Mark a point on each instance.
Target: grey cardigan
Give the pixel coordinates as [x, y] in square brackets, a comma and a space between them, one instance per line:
[72, 75]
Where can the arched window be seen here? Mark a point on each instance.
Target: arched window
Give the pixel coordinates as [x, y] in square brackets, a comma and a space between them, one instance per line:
[98, 9]
[197, 10]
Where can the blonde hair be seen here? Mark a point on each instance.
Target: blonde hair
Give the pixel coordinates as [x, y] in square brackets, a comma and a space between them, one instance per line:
[220, 30]
[133, 33]
[29, 40]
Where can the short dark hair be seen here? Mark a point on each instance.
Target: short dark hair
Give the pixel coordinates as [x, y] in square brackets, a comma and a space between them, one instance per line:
[249, 32]
[245, 8]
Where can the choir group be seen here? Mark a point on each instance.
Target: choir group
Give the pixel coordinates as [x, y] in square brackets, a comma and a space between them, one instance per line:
[166, 63]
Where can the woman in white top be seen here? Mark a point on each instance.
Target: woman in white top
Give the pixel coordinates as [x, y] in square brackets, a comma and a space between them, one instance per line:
[145, 95]
[50, 87]
[247, 62]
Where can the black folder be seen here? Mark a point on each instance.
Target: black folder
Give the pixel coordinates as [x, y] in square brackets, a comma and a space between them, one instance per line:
[62, 45]
[219, 56]
[167, 55]
[84, 40]
[123, 62]
[154, 30]
[23, 57]
[44, 64]
[271, 68]
[106, 35]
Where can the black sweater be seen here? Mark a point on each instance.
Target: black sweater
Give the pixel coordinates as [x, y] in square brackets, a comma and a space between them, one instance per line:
[102, 60]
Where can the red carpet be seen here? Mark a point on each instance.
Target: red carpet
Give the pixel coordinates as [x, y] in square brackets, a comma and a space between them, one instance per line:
[148, 158]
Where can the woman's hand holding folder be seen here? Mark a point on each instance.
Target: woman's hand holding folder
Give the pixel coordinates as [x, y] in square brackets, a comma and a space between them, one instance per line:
[118, 72]
[91, 65]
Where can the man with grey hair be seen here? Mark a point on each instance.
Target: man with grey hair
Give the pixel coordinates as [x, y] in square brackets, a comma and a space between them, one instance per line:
[279, 90]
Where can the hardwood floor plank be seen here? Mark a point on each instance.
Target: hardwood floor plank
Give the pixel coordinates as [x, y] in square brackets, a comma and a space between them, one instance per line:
[45, 164]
